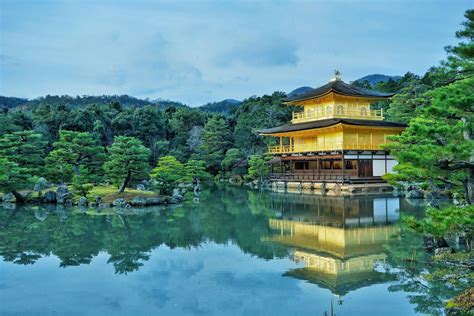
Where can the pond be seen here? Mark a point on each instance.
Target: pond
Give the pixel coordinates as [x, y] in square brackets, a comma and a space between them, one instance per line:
[230, 252]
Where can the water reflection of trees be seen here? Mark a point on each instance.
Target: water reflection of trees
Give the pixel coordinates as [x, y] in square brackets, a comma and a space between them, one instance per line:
[429, 283]
[255, 222]
[223, 216]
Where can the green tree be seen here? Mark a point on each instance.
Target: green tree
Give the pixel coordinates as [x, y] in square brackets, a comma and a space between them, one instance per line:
[128, 160]
[257, 113]
[185, 127]
[461, 56]
[168, 173]
[74, 150]
[25, 148]
[216, 139]
[80, 182]
[195, 170]
[233, 161]
[14, 178]
[438, 148]
[258, 167]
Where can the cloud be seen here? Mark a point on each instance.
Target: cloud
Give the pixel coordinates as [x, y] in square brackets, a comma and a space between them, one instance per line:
[196, 52]
[261, 52]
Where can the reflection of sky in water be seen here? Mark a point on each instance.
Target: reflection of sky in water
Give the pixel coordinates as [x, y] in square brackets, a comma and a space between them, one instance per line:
[212, 279]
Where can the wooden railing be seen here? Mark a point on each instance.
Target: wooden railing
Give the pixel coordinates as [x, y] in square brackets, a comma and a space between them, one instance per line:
[320, 114]
[335, 176]
[301, 148]
[309, 176]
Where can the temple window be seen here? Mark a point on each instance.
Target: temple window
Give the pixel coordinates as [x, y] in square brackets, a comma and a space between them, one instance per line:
[328, 110]
[351, 164]
[363, 111]
[325, 164]
[340, 109]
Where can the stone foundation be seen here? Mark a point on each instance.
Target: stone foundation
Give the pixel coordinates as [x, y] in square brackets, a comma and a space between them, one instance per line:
[332, 189]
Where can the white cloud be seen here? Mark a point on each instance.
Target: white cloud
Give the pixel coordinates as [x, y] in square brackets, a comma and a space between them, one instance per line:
[197, 52]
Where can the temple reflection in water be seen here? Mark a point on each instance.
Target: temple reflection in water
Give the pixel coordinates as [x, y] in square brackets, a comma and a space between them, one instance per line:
[340, 239]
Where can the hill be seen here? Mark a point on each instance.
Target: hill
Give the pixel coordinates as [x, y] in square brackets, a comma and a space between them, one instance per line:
[224, 106]
[11, 102]
[298, 91]
[83, 101]
[376, 78]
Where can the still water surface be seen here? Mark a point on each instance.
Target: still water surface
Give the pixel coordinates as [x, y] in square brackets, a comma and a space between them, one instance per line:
[233, 252]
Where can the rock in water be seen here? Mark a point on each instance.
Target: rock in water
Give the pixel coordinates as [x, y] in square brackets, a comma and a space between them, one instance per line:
[83, 202]
[439, 252]
[138, 201]
[415, 194]
[63, 195]
[49, 197]
[154, 201]
[119, 202]
[8, 198]
[141, 187]
[428, 243]
[176, 199]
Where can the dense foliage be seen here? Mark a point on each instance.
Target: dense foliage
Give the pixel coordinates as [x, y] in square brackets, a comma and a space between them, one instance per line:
[91, 140]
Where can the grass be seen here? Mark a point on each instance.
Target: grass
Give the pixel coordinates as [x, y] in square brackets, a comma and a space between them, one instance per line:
[107, 193]
[110, 193]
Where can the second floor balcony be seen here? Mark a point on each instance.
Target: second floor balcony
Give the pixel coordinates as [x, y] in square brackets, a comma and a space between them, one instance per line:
[336, 112]
[303, 148]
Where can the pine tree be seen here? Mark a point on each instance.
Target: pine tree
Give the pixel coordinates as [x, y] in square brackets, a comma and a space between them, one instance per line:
[168, 173]
[128, 160]
[25, 148]
[216, 139]
[14, 178]
[72, 151]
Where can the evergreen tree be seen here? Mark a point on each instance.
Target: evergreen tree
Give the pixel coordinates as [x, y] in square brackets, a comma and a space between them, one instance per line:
[167, 174]
[25, 148]
[216, 139]
[258, 167]
[80, 182]
[438, 148]
[195, 170]
[258, 113]
[72, 151]
[233, 161]
[14, 178]
[128, 160]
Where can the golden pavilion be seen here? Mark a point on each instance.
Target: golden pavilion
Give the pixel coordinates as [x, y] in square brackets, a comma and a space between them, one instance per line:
[335, 137]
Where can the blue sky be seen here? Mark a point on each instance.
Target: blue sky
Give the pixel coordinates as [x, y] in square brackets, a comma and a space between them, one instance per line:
[201, 51]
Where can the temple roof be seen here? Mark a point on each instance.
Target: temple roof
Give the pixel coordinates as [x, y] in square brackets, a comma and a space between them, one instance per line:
[328, 122]
[339, 87]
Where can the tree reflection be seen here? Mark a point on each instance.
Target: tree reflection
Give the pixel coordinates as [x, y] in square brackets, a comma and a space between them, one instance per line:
[75, 237]
[254, 221]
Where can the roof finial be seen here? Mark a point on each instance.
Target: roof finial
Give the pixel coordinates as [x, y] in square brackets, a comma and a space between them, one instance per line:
[337, 76]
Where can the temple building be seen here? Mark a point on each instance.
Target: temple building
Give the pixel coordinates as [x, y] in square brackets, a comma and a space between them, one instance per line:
[336, 137]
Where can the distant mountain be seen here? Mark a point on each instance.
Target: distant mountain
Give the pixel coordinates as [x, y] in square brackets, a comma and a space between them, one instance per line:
[83, 101]
[163, 104]
[376, 78]
[299, 91]
[11, 102]
[224, 106]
